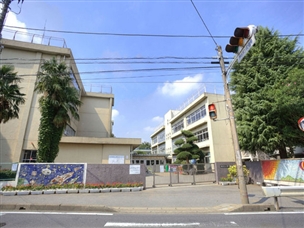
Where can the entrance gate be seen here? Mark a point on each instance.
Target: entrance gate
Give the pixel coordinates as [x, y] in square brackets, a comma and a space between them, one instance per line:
[172, 174]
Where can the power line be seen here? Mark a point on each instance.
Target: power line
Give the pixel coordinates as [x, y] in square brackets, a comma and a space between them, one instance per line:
[116, 34]
[138, 70]
[128, 34]
[203, 22]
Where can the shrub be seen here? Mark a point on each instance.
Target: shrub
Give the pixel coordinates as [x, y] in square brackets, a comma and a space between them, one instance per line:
[7, 174]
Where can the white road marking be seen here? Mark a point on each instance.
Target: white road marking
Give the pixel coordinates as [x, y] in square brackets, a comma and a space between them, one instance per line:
[53, 213]
[265, 213]
[124, 224]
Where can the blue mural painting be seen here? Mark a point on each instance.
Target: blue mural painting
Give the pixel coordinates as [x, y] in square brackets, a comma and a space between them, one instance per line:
[48, 174]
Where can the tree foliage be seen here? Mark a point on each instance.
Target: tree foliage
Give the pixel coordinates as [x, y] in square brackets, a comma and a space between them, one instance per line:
[59, 101]
[10, 95]
[187, 149]
[269, 92]
[145, 145]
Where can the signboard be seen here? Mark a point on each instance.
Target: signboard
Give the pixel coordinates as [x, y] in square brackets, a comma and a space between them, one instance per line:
[14, 167]
[116, 159]
[134, 169]
[301, 123]
[161, 168]
[246, 48]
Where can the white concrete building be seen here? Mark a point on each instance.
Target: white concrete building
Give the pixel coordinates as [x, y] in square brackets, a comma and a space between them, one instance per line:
[88, 140]
[214, 137]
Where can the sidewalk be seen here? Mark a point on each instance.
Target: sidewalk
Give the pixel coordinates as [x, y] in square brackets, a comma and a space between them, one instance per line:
[200, 198]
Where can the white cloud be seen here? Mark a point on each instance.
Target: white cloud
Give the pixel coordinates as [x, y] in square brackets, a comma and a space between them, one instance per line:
[115, 113]
[149, 129]
[181, 87]
[158, 119]
[11, 20]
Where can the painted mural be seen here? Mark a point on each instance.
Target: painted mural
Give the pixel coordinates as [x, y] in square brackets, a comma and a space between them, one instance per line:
[50, 173]
[284, 170]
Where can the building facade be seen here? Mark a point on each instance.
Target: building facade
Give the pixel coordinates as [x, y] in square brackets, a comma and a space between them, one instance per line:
[88, 140]
[214, 137]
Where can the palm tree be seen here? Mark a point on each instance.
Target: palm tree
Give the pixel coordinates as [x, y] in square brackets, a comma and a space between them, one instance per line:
[59, 101]
[10, 96]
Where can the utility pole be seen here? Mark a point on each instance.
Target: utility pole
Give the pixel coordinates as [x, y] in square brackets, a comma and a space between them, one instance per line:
[238, 155]
[5, 7]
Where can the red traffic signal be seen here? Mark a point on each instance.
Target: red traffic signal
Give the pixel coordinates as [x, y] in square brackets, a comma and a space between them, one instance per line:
[212, 111]
[240, 38]
[301, 123]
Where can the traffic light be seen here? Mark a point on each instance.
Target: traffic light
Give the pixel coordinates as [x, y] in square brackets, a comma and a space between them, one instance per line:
[240, 38]
[212, 111]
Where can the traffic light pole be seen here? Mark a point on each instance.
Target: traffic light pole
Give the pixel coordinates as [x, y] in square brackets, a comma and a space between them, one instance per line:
[238, 155]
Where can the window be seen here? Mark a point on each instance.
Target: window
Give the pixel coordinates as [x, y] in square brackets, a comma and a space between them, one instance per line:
[68, 131]
[196, 115]
[154, 140]
[162, 149]
[161, 137]
[173, 143]
[30, 156]
[74, 81]
[178, 126]
[202, 135]
[154, 150]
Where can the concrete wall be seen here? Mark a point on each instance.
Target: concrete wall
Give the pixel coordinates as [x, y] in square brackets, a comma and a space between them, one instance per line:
[255, 171]
[96, 116]
[109, 173]
[221, 169]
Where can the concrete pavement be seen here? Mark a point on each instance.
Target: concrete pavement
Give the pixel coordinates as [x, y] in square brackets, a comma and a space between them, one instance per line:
[200, 198]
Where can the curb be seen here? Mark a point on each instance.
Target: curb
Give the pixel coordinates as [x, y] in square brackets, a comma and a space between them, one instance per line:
[224, 208]
[55, 207]
[71, 191]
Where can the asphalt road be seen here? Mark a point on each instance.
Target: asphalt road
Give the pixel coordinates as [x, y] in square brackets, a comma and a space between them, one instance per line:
[80, 220]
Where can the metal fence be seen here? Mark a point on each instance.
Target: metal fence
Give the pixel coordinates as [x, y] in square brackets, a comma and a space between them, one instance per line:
[173, 174]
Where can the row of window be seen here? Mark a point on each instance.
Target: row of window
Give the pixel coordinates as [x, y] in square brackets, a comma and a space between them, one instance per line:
[161, 137]
[196, 115]
[178, 126]
[202, 135]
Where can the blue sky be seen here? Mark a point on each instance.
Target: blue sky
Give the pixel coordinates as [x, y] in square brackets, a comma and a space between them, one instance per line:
[145, 91]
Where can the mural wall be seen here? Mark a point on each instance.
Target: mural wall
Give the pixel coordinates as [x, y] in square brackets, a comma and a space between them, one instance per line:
[50, 173]
[284, 170]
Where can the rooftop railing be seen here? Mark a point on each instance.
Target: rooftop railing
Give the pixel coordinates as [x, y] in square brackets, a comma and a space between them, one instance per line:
[33, 38]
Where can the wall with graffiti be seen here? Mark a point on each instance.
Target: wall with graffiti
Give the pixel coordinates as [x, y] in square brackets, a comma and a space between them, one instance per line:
[291, 171]
[50, 173]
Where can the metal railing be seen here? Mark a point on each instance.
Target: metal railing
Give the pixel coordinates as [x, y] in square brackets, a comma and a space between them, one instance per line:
[98, 88]
[33, 38]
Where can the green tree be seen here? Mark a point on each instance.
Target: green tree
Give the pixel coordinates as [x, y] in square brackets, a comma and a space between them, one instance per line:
[145, 145]
[58, 102]
[269, 90]
[187, 149]
[10, 95]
